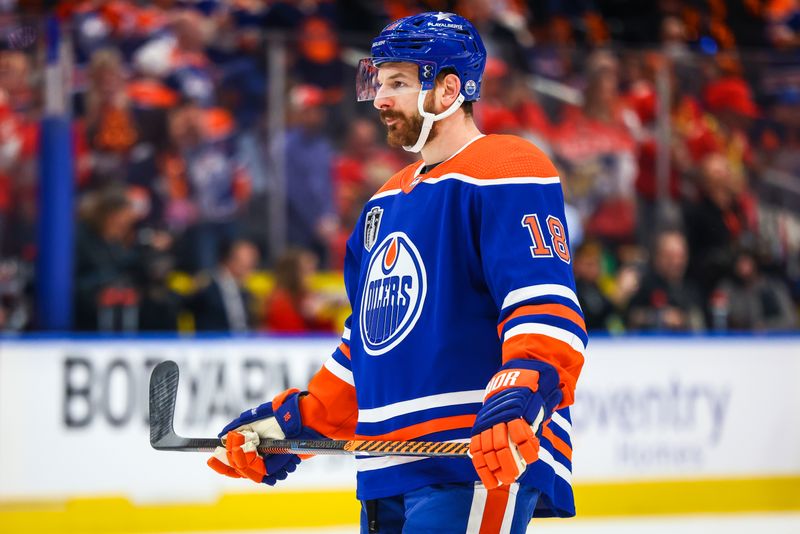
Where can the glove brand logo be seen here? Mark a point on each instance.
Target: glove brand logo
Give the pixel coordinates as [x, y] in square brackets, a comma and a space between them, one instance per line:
[502, 380]
[394, 294]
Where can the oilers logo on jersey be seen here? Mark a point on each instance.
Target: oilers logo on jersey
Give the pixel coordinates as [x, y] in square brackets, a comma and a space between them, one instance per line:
[394, 294]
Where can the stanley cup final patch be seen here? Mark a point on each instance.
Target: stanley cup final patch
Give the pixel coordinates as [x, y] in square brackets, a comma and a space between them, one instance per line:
[371, 226]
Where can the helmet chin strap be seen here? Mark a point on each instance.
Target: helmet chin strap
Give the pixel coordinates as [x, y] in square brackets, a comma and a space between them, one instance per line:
[429, 118]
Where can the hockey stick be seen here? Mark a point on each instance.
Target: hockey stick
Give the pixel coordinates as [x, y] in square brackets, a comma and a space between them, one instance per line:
[164, 392]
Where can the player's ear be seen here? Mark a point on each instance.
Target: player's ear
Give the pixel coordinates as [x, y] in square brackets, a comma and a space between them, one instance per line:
[451, 86]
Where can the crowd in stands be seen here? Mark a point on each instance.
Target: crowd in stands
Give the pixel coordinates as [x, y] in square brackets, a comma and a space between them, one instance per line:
[675, 126]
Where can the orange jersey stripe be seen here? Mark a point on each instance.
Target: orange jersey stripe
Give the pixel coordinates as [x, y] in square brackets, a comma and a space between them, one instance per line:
[559, 310]
[566, 360]
[330, 407]
[559, 444]
[478, 161]
[427, 427]
[495, 509]
[345, 349]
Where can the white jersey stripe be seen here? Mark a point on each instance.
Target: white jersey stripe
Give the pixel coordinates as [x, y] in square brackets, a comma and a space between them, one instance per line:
[525, 293]
[565, 425]
[340, 371]
[545, 329]
[346, 334]
[559, 468]
[387, 193]
[508, 515]
[382, 413]
[514, 180]
[479, 495]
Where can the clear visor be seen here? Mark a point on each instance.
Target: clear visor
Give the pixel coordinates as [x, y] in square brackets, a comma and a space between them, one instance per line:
[396, 80]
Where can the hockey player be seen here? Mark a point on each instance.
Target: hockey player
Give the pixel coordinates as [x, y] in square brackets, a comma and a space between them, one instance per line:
[465, 325]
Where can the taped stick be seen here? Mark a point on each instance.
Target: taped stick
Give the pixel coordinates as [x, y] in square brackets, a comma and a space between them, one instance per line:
[164, 393]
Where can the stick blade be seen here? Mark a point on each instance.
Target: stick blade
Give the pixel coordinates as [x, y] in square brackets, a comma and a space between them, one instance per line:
[163, 395]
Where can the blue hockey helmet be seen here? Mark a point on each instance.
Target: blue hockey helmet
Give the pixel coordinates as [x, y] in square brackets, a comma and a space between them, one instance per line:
[434, 41]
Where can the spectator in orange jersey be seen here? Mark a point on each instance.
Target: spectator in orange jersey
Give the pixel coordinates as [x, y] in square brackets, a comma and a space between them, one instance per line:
[110, 127]
[293, 307]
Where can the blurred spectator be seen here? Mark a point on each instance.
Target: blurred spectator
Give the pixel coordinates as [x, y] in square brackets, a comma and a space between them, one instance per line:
[111, 129]
[107, 264]
[599, 312]
[16, 279]
[15, 79]
[731, 101]
[783, 29]
[293, 307]
[715, 224]
[362, 165]
[595, 150]
[223, 303]
[503, 29]
[160, 307]
[751, 300]
[666, 300]
[507, 106]
[309, 183]
[179, 58]
[318, 62]
[207, 182]
[19, 143]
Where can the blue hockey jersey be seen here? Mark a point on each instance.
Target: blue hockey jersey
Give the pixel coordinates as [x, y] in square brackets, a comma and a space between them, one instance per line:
[450, 274]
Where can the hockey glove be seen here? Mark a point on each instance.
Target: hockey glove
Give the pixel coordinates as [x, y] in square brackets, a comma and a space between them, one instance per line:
[505, 434]
[279, 419]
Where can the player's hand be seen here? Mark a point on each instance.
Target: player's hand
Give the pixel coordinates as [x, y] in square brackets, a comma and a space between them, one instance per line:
[505, 434]
[239, 457]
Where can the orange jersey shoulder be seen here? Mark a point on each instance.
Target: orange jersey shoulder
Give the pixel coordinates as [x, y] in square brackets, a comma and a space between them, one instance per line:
[499, 156]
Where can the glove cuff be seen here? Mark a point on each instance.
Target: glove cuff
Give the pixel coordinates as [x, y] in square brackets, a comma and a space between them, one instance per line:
[287, 412]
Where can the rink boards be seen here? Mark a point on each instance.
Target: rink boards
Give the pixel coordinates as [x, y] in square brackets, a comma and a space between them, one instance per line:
[661, 425]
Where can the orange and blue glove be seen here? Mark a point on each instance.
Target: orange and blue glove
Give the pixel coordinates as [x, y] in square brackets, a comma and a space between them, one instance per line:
[279, 419]
[505, 436]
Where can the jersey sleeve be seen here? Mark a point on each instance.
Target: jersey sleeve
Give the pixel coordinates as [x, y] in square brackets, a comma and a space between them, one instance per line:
[330, 406]
[525, 256]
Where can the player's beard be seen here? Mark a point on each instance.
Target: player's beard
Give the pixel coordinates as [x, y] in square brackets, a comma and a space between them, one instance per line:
[406, 130]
